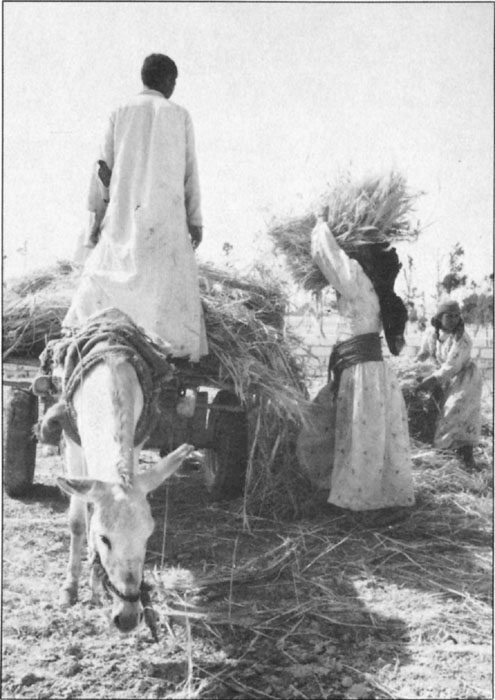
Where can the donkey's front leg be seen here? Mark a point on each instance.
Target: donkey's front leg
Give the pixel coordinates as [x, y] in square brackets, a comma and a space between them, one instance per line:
[95, 573]
[77, 525]
[75, 467]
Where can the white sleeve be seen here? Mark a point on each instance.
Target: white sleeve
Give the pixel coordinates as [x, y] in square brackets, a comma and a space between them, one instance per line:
[191, 179]
[459, 355]
[98, 194]
[339, 269]
[107, 152]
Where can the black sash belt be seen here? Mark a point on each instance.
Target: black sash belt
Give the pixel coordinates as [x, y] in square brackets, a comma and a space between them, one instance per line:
[361, 348]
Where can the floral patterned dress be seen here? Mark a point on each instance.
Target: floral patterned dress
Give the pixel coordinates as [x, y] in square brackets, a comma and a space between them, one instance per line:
[370, 465]
[459, 422]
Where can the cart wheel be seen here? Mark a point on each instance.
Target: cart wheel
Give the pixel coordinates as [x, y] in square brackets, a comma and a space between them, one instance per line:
[225, 463]
[19, 450]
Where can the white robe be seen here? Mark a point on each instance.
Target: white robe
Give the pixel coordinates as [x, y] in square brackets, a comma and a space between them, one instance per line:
[365, 429]
[144, 263]
[459, 422]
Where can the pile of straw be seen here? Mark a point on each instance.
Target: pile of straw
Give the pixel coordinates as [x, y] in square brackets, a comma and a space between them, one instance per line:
[423, 585]
[260, 292]
[34, 307]
[373, 210]
[250, 353]
[250, 350]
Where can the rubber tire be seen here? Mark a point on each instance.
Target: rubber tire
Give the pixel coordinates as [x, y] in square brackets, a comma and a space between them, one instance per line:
[19, 446]
[225, 463]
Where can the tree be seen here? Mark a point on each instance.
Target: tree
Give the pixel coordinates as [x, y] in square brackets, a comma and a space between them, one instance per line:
[411, 290]
[227, 248]
[454, 278]
[412, 295]
[477, 307]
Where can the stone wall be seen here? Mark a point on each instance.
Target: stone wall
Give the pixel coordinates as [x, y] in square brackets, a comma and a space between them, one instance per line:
[319, 336]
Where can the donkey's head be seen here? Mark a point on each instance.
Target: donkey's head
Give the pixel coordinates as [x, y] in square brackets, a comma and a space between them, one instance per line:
[119, 530]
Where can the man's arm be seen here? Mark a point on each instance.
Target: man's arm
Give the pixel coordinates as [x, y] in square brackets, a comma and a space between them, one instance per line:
[99, 194]
[97, 205]
[191, 187]
[196, 233]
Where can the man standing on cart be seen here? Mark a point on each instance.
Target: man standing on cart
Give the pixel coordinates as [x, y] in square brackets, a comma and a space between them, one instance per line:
[146, 219]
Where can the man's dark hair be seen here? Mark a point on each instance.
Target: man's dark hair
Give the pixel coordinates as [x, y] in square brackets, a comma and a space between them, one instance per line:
[156, 68]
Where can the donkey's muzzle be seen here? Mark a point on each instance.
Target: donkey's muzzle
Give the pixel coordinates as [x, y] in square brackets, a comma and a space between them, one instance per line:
[126, 622]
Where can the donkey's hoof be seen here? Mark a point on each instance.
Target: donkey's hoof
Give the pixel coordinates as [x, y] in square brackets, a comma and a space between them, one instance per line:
[95, 599]
[67, 597]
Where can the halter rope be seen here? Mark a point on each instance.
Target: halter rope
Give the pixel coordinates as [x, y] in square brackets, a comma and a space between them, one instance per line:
[150, 617]
[109, 587]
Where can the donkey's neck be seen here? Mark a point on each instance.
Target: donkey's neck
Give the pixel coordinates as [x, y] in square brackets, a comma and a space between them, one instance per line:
[108, 405]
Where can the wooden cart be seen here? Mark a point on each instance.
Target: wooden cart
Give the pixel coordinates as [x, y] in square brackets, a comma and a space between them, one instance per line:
[193, 409]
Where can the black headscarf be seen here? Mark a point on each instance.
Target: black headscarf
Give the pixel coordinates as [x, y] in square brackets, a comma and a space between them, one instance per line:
[381, 264]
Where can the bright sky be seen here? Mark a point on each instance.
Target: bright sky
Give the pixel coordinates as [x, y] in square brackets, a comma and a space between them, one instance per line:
[282, 97]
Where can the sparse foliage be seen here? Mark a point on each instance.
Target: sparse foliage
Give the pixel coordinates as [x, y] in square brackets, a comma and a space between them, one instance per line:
[454, 278]
[477, 307]
[227, 249]
[409, 273]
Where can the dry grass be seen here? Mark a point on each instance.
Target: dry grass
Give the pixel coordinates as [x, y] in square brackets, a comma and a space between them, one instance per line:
[418, 591]
[422, 587]
[251, 354]
[34, 307]
[288, 609]
[373, 210]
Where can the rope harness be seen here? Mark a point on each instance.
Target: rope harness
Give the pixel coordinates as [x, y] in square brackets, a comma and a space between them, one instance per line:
[111, 334]
[149, 414]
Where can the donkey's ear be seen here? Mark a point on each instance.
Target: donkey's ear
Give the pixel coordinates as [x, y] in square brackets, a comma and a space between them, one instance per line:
[87, 489]
[152, 479]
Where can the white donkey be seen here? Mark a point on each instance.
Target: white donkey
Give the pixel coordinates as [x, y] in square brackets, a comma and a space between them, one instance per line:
[102, 471]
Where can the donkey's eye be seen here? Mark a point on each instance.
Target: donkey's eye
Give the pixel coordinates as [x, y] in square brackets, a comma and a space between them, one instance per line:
[105, 541]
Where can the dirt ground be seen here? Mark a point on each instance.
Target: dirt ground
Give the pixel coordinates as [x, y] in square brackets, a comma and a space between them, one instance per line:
[323, 607]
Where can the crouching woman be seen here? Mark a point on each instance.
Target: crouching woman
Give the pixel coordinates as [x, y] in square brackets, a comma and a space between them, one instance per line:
[358, 444]
[459, 380]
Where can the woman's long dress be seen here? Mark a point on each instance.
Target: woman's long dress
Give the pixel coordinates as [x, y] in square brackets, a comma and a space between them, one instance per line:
[371, 462]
